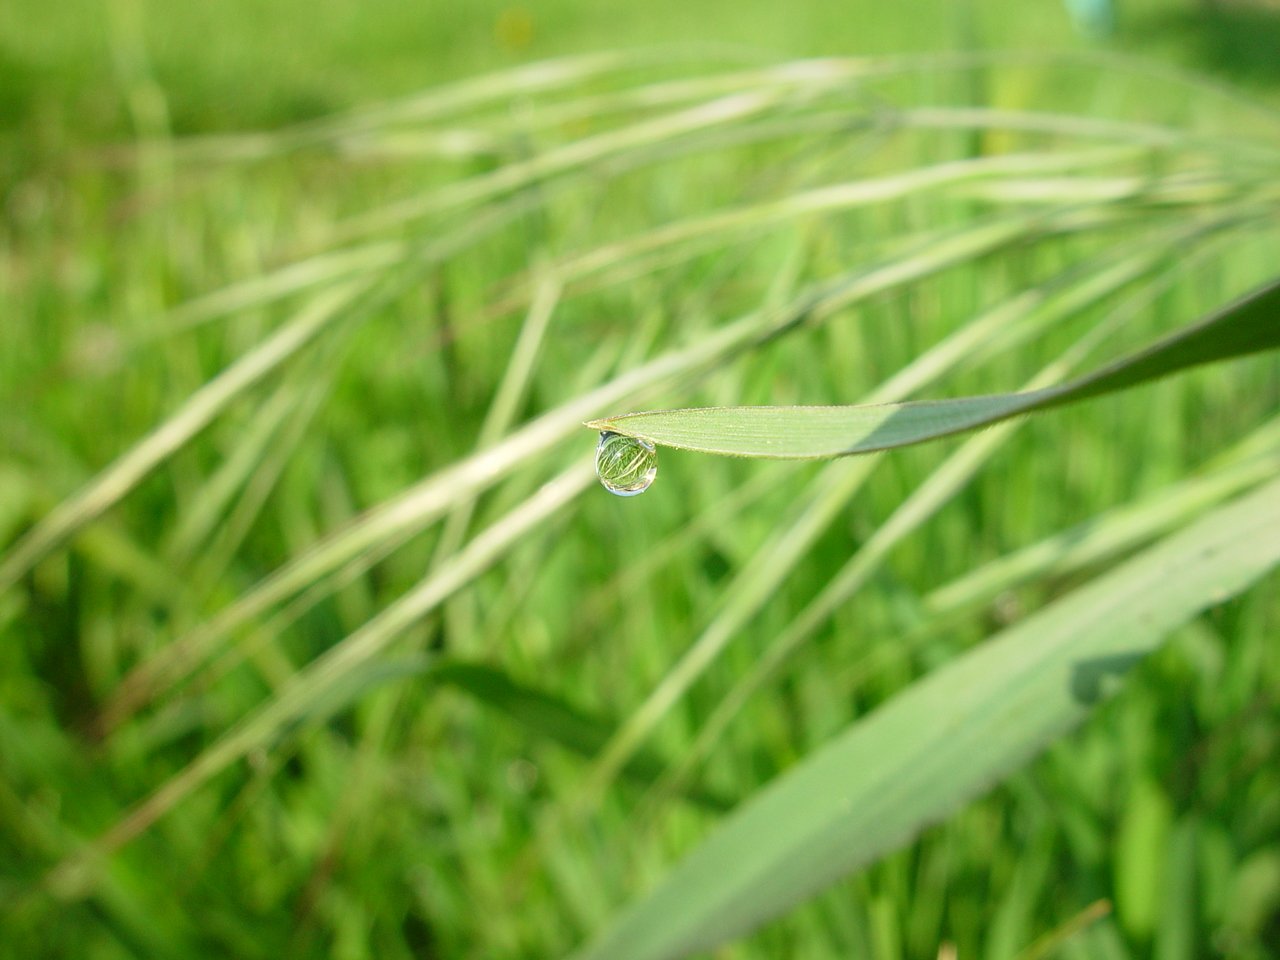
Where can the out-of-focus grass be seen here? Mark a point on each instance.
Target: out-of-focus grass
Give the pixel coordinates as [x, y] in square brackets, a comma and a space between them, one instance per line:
[96, 66]
[386, 811]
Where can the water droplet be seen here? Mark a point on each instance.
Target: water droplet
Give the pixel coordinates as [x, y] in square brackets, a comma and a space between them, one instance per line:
[626, 466]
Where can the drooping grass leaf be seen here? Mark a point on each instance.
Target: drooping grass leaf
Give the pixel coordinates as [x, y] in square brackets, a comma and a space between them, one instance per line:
[840, 481]
[439, 492]
[943, 740]
[1246, 326]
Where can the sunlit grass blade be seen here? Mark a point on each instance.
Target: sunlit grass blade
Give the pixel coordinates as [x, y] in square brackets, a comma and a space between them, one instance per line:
[1180, 190]
[1102, 537]
[237, 523]
[438, 493]
[1068, 125]
[117, 480]
[1247, 326]
[729, 109]
[308, 690]
[194, 527]
[103, 544]
[923, 502]
[748, 220]
[944, 740]
[1021, 316]
[429, 106]
[293, 278]
[507, 398]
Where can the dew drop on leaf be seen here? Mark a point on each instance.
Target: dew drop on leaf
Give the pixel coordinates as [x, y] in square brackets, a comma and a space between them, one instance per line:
[626, 466]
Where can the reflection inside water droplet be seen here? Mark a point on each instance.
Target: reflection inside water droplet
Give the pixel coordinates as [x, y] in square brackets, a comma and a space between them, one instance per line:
[626, 466]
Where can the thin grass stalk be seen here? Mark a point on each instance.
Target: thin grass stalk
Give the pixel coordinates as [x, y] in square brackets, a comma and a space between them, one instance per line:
[775, 559]
[76, 875]
[115, 482]
[428, 500]
[928, 497]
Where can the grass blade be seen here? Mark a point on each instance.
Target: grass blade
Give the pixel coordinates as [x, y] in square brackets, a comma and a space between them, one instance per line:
[440, 492]
[1247, 326]
[944, 740]
[117, 480]
[308, 692]
[1025, 313]
[540, 713]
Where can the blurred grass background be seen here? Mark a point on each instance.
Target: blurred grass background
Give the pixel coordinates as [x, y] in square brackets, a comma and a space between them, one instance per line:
[408, 817]
[71, 68]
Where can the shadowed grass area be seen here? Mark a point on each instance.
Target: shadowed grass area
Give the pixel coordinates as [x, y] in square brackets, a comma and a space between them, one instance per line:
[1237, 40]
[317, 636]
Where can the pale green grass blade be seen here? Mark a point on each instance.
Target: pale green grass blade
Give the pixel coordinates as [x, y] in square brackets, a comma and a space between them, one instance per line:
[551, 75]
[1069, 125]
[115, 482]
[425, 502]
[1192, 191]
[712, 228]
[195, 525]
[429, 106]
[502, 413]
[316, 271]
[102, 543]
[220, 551]
[1119, 63]
[1101, 538]
[924, 501]
[773, 90]
[810, 78]
[730, 109]
[751, 589]
[944, 740]
[309, 690]
[844, 196]
[628, 101]
[506, 401]
[1247, 326]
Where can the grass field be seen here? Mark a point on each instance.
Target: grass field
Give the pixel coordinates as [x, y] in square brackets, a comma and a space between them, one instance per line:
[317, 636]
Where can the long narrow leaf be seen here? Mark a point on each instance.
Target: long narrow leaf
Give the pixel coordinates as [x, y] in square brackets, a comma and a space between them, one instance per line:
[1247, 326]
[115, 482]
[550, 717]
[944, 740]
[306, 693]
[417, 506]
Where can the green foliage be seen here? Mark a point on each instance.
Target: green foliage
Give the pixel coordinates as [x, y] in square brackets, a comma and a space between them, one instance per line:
[317, 636]
[1245, 327]
[947, 737]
